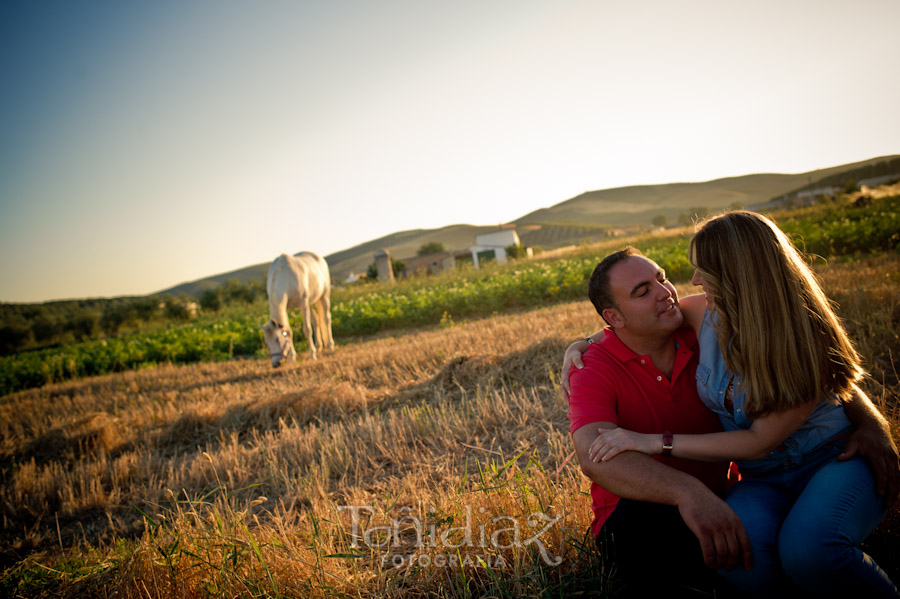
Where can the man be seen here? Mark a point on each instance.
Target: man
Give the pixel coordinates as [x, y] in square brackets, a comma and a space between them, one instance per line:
[670, 520]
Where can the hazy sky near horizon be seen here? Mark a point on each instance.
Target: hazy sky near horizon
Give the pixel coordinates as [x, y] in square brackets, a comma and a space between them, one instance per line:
[148, 143]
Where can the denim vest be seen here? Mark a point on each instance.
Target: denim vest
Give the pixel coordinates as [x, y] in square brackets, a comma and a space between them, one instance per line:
[826, 422]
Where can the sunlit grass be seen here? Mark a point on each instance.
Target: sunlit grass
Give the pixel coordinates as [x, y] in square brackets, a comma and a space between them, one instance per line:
[233, 479]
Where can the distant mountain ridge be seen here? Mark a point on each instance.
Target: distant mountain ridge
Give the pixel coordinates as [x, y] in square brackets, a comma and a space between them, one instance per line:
[638, 204]
[585, 217]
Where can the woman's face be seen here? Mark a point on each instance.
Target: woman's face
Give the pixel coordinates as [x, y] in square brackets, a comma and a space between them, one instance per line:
[697, 279]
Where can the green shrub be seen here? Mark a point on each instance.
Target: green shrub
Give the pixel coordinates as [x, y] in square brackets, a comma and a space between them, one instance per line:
[211, 299]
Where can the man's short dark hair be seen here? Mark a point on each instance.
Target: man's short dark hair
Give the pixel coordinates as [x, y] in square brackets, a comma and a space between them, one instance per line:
[599, 290]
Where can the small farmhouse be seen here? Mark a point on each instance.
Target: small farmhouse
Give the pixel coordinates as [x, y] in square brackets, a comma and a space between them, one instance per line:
[492, 246]
[430, 264]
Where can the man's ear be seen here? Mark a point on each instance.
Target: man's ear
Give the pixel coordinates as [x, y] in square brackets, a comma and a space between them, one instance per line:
[614, 318]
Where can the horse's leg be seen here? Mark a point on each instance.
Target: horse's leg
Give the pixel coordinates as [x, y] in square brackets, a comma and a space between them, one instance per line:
[306, 313]
[326, 316]
[317, 311]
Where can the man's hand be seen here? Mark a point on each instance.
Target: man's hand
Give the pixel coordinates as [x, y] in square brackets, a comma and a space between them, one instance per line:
[637, 476]
[875, 444]
[722, 536]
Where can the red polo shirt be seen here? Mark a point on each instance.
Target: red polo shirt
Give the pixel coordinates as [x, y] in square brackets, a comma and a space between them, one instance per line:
[619, 386]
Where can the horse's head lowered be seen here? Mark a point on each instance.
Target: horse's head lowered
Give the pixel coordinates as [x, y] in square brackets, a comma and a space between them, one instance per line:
[280, 342]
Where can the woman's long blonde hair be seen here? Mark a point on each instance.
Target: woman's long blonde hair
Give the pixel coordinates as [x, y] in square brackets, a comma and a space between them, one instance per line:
[776, 327]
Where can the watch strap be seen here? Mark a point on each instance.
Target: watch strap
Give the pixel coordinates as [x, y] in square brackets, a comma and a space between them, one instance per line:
[668, 439]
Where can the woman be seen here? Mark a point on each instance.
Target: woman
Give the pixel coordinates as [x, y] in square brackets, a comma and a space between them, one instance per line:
[775, 363]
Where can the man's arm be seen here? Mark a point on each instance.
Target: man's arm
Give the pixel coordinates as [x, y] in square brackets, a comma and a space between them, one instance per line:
[872, 440]
[766, 433]
[634, 475]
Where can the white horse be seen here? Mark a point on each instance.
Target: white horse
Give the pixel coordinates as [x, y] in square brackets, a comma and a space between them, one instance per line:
[303, 282]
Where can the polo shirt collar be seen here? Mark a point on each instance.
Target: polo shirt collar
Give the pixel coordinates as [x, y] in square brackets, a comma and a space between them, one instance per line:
[684, 338]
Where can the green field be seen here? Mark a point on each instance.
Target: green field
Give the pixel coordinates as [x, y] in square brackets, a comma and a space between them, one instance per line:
[827, 230]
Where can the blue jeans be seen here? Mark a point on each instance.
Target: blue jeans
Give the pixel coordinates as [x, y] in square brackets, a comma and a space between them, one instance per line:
[805, 522]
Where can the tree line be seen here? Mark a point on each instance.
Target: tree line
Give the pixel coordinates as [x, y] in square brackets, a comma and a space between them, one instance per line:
[35, 326]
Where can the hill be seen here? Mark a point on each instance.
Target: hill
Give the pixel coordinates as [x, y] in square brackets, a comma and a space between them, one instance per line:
[356, 259]
[587, 217]
[405, 244]
[637, 205]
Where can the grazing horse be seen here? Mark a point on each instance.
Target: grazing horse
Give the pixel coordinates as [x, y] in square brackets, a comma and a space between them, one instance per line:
[300, 281]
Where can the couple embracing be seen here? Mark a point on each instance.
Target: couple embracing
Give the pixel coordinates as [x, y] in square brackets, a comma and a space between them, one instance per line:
[759, 371]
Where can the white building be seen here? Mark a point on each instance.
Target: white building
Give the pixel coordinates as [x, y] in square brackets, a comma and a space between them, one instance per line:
[492, 246]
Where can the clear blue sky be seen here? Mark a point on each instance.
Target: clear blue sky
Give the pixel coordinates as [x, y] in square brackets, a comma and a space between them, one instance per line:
[144, 144]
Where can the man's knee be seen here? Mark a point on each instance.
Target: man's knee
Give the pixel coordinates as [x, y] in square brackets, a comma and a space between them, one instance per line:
[641, 530]
[649, 544]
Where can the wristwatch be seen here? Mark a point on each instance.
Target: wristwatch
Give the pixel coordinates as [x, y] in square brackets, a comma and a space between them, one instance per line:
[667, 443]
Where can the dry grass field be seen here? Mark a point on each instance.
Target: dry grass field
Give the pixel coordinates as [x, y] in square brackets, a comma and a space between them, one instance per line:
[430, 463]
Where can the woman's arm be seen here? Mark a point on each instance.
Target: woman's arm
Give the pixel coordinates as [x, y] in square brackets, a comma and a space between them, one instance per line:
[766, 433]
[572, 358]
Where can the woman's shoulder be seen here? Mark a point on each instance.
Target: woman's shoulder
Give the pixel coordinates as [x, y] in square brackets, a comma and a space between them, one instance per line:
[693, 308]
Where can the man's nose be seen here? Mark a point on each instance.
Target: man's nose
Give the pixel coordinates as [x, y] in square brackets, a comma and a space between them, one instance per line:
[662, 291]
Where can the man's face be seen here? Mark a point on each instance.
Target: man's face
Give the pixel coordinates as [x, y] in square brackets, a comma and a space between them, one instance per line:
[648, 303]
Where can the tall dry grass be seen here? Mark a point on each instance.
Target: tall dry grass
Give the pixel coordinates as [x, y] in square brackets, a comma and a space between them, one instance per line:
[234, 479]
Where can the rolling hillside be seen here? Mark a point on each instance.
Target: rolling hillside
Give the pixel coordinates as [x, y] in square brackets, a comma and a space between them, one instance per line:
[637, 205]
[402, 244]
[586, 217]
